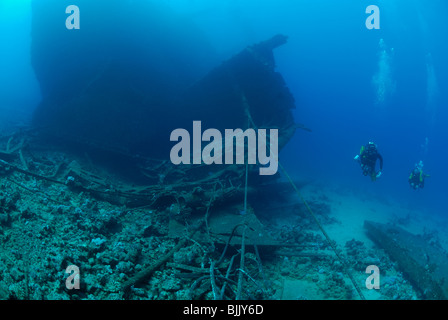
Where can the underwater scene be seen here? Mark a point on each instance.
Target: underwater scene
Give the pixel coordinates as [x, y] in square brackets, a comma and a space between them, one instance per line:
[223, 150]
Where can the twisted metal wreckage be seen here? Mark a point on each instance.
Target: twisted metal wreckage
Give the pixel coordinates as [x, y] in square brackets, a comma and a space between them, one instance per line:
[106, 109]
[205, 202]
[207, 198]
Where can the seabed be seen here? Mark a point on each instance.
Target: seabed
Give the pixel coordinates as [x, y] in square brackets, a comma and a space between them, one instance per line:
[184, 235]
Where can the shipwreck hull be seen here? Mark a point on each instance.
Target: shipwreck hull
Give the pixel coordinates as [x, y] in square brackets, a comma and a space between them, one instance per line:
[244, 91]
[423, 263]
[127, 88]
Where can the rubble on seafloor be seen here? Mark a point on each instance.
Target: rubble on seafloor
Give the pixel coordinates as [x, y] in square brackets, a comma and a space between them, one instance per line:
[160, 241]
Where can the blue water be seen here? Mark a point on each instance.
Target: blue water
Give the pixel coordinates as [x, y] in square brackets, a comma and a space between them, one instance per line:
[352, 85]
[19, 90]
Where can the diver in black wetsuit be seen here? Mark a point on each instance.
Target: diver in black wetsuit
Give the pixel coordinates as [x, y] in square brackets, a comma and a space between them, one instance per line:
[368, 155]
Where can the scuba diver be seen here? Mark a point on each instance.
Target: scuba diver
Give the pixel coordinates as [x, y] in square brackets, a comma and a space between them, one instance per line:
[368, 155]
[417, 177]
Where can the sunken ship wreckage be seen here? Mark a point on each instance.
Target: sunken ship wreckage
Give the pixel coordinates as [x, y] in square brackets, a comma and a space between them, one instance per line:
[118, 95]
[112, 92]
[91, 185]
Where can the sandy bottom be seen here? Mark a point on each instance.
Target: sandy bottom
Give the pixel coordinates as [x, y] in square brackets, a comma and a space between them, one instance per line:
[351, 209]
